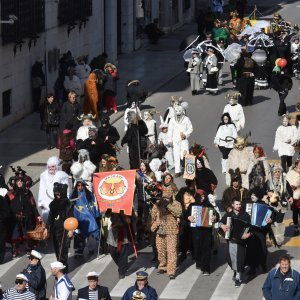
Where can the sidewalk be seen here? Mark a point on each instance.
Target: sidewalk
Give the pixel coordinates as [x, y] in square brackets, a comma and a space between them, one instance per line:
[154, 65]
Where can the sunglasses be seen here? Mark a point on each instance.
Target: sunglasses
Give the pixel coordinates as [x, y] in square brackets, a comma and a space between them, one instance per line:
[19, 281]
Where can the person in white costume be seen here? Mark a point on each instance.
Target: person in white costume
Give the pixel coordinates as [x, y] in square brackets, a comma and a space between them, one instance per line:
[47, 179]
[83, 168]
[83, 131]
[82, 70]
[180, 129]
[151, 125]
[240, 157]
[128, 111]
[170, 112]
[163, 138]
[224, 139]
[235, 111]
[286, 138]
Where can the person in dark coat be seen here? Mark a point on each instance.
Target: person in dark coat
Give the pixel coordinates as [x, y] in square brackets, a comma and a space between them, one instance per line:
[110, 87]
[282, 282]
[36, 275]
[135, 93]
[141, 289]
[70, 112]
[93, 290]
[50, 116]
[38, 81]
[95, 145]
[136, 140]
[282, 83]
[257, 250]
[237, 240]
[202, 237]
[4, 216]
[60, 210]
[206, 181]
[110, 135]
[244, 68]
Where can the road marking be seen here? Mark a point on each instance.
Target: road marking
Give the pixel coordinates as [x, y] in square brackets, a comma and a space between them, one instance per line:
[97, 265]
[225, 289]
[182, 285]
[128, 281]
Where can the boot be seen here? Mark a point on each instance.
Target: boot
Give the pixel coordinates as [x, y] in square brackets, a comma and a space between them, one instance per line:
[296, 230]
[224, 165]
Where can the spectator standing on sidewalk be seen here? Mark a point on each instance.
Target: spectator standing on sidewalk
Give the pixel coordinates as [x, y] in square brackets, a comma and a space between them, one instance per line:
[50, 116]
[72, 82]
[37, 81]
[282, 282]
[110, 87]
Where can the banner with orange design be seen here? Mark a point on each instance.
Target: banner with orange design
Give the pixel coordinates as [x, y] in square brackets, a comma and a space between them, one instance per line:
[115, 190]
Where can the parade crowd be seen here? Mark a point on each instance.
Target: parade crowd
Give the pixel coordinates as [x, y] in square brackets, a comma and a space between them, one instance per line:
[176, 222]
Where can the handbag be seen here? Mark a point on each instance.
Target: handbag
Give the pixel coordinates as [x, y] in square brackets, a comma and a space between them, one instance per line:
[161, 230]
[214, 70]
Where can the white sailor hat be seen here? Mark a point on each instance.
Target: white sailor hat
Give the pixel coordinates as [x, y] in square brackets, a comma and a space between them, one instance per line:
[22, 277]
[92, 274]
[57, 265]
[35, 254]
[195, 51]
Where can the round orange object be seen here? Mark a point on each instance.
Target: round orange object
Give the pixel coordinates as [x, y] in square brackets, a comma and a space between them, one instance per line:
[276, 61]
[71, 224]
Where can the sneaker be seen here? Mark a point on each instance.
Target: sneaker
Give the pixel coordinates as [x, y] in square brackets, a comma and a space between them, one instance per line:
[172, 277]
[205, 273]
[237, 283]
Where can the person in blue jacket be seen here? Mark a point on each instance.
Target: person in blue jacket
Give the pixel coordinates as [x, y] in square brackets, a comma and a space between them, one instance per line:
[282, 283]
[141, 289]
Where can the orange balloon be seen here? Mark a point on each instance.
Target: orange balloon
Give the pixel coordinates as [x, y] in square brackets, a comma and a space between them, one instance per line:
[276, 61]
[71, 224]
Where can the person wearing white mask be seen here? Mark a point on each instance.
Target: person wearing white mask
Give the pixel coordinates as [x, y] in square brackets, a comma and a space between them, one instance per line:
[151, 125]
[47, 179]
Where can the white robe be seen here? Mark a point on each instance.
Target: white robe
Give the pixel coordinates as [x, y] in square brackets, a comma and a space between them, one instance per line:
[163, 137]
[226, 130]
[180, 147]
[46, 195]
[283, 134]
[151, 125]
[237, 116]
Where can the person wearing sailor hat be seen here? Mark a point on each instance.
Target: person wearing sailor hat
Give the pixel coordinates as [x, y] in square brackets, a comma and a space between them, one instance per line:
[93, 290]
[141, 290]
[195, 68]
[20, 291]
[63, 287]
[36, 275]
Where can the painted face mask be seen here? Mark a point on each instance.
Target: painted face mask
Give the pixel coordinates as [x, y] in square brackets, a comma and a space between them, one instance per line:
[178, 110]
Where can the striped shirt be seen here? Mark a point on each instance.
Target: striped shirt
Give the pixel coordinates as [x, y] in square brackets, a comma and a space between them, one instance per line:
[93, 294]
[13, 294]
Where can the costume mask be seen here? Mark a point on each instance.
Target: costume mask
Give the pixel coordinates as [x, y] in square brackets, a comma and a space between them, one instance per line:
[92, 133]
[147, 116]
[240, 143]
[83, 155]
[60, 188]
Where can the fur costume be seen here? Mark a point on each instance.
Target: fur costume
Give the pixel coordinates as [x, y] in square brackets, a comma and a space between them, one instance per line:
[83, 131]
[83, 168]
[47, 181]
[92, 93]
[259, 172]
[170, 112]
[180, 129]
[293, 177]
[240, 157]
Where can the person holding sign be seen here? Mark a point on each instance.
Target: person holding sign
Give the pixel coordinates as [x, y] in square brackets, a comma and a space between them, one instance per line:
[202, 216]
[237, 234]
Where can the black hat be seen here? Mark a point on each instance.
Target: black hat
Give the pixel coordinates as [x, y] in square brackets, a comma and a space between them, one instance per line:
[235, 175]
[141, 275]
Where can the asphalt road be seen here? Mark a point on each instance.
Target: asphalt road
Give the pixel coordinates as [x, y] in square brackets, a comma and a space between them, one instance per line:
[204, 112]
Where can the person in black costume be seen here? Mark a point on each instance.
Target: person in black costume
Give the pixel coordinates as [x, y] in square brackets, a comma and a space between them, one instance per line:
[4, 216]
[24, 211]
[110, 135]
[244, 68]
[206, 181]
[257, 250]
[136, 140]
[202, 237]
[60, 210]
[135, 93]
[282, 83]
[237, 242]
[95, 145]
